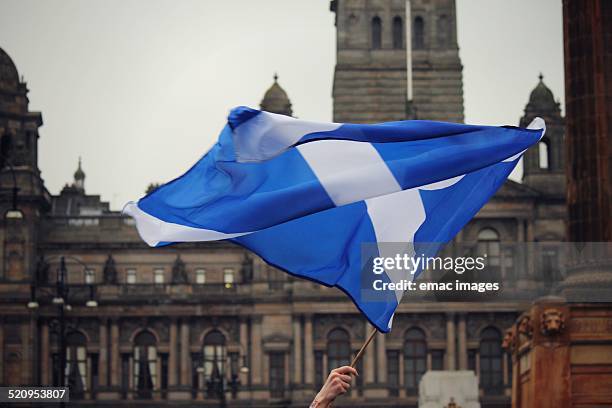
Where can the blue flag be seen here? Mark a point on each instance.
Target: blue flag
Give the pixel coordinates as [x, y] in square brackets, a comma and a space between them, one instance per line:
[305, 196]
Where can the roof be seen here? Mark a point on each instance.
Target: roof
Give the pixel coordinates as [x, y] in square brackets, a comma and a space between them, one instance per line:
[542, 97]
[275, 100]
[9, 78]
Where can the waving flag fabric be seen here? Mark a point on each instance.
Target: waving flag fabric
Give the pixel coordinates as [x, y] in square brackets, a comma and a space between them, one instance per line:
[304, 195]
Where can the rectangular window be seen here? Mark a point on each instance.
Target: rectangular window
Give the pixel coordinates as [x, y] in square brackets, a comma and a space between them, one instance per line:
[125, 374]
[200, 276]
[472, 360]
[164, 374]
[158, 276]
[437, 359]
[393, 372]
[277, 374]
[196, 367]
[94, 372]
[130, 276]
[90, 276]
[228, 277]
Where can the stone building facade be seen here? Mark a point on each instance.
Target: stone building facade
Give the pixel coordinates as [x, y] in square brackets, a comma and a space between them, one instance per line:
[372, 81]
[169, 322]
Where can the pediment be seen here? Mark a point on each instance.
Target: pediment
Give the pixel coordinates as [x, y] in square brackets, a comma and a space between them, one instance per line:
[512, 189]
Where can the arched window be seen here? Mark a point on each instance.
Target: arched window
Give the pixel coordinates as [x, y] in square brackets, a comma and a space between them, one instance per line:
[443, 30]
[398, 33]
[338, 349]
[376, 33]
[145, 364]
[491, 375]
[488, 243]
[415, 358]
[214, 360]
[418, 35]
[543, 154]
[76, 364]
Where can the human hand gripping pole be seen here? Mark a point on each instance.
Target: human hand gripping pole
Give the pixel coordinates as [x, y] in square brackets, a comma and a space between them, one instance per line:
[339, 380]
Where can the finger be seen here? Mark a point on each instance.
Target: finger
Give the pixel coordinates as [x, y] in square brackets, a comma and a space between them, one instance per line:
[346, 370]
[346, 378]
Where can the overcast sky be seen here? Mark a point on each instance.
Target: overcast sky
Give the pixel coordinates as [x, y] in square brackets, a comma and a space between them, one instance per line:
[141, 88]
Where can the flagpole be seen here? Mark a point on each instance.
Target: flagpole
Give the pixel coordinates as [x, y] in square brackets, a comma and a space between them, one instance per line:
[362, 350]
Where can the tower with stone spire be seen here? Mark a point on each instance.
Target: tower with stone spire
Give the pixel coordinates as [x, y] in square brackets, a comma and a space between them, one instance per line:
[73, 200]
[544, 164]
[378, 78]
[79, 178]
[18, 173]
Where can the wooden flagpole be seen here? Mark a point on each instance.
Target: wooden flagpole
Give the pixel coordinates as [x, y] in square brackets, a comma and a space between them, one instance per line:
[362, 350]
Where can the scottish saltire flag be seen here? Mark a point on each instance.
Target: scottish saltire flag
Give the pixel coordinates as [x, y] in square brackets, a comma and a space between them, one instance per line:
[305, 195]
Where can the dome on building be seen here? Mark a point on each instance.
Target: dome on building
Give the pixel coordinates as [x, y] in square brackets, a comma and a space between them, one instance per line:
[542, 97]
[275, 100]
[9, 78]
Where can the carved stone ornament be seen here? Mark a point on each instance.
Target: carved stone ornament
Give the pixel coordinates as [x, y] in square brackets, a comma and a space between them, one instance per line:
[110, 271]
[179, 273]
[524, 326]
[552, 322]
[509, 339]
[452, 404]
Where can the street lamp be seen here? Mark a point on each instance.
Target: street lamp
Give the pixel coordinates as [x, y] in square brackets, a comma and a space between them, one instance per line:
[60, 299]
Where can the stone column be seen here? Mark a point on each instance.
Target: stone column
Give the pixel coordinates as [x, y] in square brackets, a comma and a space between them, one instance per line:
[463, 360]
[44, 354]
[103, 356]
[530, 255]
[402, 388]
[381, 356]
[450, 342]
[309, 354]
[157, 385]
[185, 367]
[505, 368]
[297, 350]
[115, 360]
[256, 351]
[172, 358]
